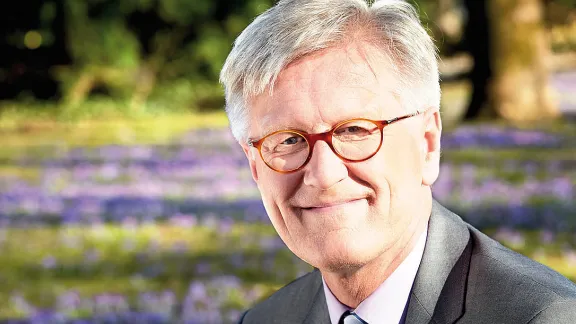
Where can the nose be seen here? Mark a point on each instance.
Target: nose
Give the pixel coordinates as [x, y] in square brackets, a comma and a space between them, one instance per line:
[325, 168]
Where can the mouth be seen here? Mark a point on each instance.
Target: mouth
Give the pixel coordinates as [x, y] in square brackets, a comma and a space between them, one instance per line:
[328, 206]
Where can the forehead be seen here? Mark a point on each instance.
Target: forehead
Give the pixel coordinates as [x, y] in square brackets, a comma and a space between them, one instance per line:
[319, 90]
[343, 66]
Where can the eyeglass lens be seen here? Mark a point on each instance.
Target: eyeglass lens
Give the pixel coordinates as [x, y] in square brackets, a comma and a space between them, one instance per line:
[354, 140]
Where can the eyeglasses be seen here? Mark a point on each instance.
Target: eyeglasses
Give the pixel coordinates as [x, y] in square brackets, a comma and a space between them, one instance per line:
[353, 140]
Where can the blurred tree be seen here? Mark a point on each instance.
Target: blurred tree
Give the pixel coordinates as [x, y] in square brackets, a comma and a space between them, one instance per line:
[104, 51]
[519, 52]
[476, 42]
[170, 51]
[136, 49]
[449, 21]
[30, 44]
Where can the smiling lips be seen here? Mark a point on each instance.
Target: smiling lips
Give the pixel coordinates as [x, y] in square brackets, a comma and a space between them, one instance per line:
[326, 206]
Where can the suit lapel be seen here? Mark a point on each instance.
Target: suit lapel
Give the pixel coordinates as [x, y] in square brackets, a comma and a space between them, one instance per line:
[318, 312]
[439, 290]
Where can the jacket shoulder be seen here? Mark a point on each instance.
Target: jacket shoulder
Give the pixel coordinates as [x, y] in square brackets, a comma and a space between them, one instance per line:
[512, 287]
[561, 312]
[289, 304]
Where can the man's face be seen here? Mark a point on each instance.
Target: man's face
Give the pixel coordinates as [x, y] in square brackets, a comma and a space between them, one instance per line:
[339, 215]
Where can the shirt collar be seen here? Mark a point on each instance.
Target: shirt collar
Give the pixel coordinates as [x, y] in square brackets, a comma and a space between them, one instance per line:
[386, 304]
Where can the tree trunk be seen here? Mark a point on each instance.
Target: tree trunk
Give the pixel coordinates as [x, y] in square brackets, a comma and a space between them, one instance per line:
[519, 55]
[477, 43]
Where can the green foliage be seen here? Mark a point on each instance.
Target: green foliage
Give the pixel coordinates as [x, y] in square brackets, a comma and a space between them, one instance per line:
[183, 12]
[102, 42]
[177, 57]
[568, 3]
[168, 52]
[47, 13]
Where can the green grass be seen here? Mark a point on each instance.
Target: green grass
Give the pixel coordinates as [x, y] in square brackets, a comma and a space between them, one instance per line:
[43, 263]
[122, 260]
[97, 108]
[96, 122]
[494, 155]
[559, 253]
[125, 256]
[17, 172]
[95, 133]
[101, 120]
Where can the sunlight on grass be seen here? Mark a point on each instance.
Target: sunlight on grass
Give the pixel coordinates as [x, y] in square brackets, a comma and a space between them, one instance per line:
[59, 171]
[454, 101]
[89, 133]
[128, 260]
[556, 250]
[472, 155]
[18, 172]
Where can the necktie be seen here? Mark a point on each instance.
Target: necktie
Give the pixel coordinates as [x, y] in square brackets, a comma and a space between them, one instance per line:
[351, 318]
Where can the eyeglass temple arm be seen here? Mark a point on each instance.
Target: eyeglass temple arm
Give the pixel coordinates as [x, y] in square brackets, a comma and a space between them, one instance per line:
[253, 143]
[417, 112]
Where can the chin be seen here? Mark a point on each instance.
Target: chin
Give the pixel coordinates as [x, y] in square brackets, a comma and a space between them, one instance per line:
[342, 264]
[343, 255]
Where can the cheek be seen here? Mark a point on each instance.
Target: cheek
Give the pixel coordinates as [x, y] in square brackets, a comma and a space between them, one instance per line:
[395, 175]
[402, 163]
[392, 172]
[275, 189]
[275, 186]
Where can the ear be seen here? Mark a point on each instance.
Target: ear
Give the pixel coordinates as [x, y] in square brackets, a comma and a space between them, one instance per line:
[251, 156]
[431, 146]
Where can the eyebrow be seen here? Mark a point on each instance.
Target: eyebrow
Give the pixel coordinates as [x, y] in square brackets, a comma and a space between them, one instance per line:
[267, 129]
[270, 130]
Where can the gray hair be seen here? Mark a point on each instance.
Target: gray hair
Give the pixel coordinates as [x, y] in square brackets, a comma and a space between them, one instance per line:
[294, 28]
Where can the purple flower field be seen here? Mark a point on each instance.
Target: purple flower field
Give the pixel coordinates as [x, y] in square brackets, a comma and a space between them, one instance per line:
[158, 233]
[204, 175]
[177, 232]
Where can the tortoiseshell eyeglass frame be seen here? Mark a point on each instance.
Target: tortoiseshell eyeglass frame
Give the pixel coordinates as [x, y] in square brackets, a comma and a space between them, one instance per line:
[327, 137]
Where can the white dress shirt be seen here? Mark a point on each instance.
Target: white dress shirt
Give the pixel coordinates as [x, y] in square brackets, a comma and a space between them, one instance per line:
[386, 304]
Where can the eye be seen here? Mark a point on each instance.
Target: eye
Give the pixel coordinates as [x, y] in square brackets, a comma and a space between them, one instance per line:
[284, 143]
[354, 129]
[292, 140]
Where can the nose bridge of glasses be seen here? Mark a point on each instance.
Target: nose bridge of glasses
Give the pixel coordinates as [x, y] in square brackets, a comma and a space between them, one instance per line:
[325, 137]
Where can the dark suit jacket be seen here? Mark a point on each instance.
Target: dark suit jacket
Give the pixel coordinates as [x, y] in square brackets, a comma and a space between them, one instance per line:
[464, 277]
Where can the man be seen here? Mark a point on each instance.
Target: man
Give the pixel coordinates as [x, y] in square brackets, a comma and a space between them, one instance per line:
[336, 105]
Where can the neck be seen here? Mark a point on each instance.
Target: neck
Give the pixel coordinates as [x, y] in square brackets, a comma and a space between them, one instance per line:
[352, 287]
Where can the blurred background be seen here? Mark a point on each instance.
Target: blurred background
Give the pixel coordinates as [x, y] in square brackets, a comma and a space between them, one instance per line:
[124, 198]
